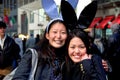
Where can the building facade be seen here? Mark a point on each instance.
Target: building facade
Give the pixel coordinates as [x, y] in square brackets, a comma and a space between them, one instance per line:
[108, 12]
[28, 16]
[31, 17]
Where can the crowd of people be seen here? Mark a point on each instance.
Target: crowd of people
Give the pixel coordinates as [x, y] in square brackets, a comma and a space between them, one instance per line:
[63, 53]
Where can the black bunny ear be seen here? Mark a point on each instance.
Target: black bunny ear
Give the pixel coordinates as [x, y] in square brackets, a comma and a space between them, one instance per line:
[68, 14]
[88, 14]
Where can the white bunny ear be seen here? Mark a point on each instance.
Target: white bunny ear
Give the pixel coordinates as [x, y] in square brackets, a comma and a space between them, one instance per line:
[50, 8]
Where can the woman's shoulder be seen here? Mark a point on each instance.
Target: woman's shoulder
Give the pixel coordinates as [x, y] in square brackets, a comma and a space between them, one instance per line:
[27, 54]
[96, 56]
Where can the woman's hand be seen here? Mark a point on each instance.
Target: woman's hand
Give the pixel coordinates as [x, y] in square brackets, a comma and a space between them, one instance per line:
[86, 56]
[105, 65]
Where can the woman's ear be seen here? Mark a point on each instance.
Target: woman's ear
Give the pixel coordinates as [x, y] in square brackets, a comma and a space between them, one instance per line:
[47, 36]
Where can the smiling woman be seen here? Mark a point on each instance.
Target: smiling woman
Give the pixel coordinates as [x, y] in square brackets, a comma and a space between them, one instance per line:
[51, 54]
[80, 64]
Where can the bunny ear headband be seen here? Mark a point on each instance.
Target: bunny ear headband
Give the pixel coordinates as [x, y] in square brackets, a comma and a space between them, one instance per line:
[51, 8]
[52, 11]
[85, 18]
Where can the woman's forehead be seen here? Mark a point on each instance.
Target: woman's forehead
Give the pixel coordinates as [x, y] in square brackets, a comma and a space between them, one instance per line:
[58, 26]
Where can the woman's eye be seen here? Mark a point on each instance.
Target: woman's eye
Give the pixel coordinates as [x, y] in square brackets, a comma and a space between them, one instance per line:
[54, 31]
[72, 47]
[82, 47]
[63, 32]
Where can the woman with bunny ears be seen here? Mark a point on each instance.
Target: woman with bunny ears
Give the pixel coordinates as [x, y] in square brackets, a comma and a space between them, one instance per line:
[50, 49]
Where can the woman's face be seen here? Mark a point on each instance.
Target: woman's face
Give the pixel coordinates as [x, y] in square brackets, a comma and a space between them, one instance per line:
[76, 50]
[57, 35]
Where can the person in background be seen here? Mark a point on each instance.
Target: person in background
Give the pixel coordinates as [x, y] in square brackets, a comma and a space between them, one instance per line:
[9, 51]
[93, 46]
[37, 39]
[19, 42]
[51, 51]
[94, 50]
[113, 52]
[30, 41]
[80, 63]
[98, 42]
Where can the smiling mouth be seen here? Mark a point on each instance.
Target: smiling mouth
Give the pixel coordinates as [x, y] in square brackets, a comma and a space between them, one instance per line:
[58, 42]
[77, 57]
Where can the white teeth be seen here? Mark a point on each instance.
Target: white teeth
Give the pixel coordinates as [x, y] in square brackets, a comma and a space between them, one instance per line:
[58, 42]
[77, 56]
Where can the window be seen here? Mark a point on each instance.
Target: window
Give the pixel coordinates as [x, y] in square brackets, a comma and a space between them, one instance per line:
[42, 16]
[108, 32]
[32, 17]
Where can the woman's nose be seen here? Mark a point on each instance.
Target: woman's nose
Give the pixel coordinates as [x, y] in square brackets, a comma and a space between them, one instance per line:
[77, 50]
[58, 35]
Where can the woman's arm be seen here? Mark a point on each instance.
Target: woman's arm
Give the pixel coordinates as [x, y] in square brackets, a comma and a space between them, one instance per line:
[97, 64]
[24, 67]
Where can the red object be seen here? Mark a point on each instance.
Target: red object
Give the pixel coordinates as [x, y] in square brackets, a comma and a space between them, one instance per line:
[105, 21]
[6, 19]
[95, 21]
[116, 20]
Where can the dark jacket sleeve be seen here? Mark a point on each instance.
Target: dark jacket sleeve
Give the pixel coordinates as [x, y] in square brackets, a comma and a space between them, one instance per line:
[83, 71]
[24, 67]
[98, 67]
[88, 70]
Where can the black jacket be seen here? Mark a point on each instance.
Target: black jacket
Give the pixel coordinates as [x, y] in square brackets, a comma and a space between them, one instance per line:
[89, 69]
[9, 52]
